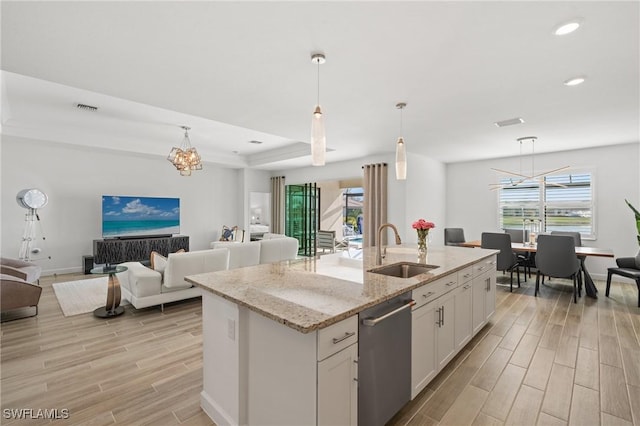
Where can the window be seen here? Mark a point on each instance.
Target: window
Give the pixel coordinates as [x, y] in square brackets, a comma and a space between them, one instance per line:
[564, 202]
[352, 211]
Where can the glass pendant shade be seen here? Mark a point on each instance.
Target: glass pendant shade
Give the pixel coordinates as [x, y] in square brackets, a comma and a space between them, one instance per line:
[318, 138]
[185, 158]
[401, 160]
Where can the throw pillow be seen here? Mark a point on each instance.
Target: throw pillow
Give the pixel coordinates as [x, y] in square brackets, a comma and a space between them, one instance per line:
[158, 262]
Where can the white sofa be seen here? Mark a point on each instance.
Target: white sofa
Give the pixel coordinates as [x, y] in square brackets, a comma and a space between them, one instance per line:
[274, 249]
[144, 287]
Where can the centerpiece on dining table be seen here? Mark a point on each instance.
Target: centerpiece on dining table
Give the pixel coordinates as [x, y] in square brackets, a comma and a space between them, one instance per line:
[422, 227]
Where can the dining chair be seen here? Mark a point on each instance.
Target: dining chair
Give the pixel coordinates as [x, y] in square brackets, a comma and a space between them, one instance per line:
[507, 259]
[628, 267]
[527, 260]
[453, 236]
[556, 257]
[577, 238]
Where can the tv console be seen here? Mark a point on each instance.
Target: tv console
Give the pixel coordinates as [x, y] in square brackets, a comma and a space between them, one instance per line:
[136, 249]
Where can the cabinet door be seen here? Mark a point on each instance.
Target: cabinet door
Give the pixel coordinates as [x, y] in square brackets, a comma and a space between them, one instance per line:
[338, 388]
[463, 308]
[445, 345]
[423, 346]
[478, 300]
[490, 294]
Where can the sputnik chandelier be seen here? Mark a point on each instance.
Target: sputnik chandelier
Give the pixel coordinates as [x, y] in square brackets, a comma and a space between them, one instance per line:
[185, 158]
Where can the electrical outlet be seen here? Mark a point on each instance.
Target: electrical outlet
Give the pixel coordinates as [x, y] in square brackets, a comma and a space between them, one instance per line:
[231, 329]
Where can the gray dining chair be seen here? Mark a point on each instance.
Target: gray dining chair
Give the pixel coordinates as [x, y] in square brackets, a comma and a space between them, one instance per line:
[628, 267]
[577, 238]
[527, 260]
[453, 236]
[507, 259]
[556, 257]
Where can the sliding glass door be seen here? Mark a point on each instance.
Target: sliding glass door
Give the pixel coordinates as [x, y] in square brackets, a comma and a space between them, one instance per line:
[301, 218]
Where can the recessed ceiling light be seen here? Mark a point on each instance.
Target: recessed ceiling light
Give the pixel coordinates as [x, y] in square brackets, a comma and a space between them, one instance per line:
[575, 81]
[509, 122]
[255, 142]
[568, 27]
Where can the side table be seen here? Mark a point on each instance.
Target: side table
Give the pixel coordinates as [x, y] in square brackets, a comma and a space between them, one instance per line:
[112, 308]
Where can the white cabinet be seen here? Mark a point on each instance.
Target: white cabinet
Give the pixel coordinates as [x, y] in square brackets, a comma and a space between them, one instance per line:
[338, 373]
[432, 330]
[445, 345]
[463, 329]
[484, 299]
[423, 348]
[338, 388]
[447, 314]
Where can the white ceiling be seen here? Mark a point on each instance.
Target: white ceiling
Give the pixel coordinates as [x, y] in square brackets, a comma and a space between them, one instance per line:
[237, 71]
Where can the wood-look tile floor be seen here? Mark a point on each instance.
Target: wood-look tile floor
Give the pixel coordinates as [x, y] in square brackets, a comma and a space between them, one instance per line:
[540, 361]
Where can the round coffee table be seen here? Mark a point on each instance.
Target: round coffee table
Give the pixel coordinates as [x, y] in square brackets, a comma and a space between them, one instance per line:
[112, 308]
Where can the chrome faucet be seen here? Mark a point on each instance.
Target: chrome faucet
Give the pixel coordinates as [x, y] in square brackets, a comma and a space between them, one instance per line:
[379, 241]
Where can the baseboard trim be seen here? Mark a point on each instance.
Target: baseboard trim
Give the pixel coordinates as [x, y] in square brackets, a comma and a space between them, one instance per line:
[214, 411]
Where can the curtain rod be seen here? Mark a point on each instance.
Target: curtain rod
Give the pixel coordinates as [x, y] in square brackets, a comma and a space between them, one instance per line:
[375, 164]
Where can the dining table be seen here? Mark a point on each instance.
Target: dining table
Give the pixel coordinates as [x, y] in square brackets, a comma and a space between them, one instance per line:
[582, 252]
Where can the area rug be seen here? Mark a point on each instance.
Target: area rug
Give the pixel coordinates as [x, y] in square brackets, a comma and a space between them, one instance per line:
[80, 297]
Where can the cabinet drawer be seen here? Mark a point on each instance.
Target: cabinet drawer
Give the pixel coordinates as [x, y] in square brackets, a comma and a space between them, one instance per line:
[484, 266]
[337, 337]
[465, 274]
[433, 290]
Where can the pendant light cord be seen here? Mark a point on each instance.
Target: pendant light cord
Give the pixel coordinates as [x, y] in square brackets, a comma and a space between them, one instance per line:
[318, 82]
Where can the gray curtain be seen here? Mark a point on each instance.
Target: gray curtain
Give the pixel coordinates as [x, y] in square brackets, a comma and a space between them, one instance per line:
[375, 202]
[277, 204]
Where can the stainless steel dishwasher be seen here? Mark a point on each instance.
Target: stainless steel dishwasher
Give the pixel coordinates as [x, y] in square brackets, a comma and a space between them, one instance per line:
[384, 360]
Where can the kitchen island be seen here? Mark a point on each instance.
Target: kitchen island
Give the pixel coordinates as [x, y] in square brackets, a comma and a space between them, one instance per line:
[280, 341]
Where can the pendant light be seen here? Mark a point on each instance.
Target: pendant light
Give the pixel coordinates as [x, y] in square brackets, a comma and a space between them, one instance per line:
[401, 151]
[318, 138]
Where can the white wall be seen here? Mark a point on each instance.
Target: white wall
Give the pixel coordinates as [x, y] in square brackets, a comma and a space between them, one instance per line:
[472, 206]
[426, 197]
[422, 195]
[75, 179]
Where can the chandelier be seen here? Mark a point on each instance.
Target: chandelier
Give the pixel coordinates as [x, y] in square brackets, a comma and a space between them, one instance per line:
[185, 158]
[517, 179]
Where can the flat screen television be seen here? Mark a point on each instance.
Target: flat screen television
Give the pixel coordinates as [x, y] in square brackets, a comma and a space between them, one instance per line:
[130, 217]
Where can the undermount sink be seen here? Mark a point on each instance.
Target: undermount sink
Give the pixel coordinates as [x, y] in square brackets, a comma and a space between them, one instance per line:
[403, 269]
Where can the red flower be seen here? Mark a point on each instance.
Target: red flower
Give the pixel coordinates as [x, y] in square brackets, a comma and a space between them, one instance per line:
[422, 224]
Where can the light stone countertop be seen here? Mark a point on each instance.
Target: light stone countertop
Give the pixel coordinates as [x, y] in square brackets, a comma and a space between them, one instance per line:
[312, 293]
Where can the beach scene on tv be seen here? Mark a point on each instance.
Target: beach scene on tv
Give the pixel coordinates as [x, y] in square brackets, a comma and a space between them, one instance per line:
[139, 216]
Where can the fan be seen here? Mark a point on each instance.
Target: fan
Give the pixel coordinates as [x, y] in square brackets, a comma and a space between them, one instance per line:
[32, 200]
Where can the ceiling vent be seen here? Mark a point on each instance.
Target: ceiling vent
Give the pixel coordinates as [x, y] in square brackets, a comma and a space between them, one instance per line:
[87, 107]
[509, 122]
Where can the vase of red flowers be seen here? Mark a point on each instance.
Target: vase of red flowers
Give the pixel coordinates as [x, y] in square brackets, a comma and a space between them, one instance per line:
[422, 227]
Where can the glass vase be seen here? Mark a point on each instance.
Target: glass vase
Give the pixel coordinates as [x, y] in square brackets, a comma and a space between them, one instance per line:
[422, 244]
